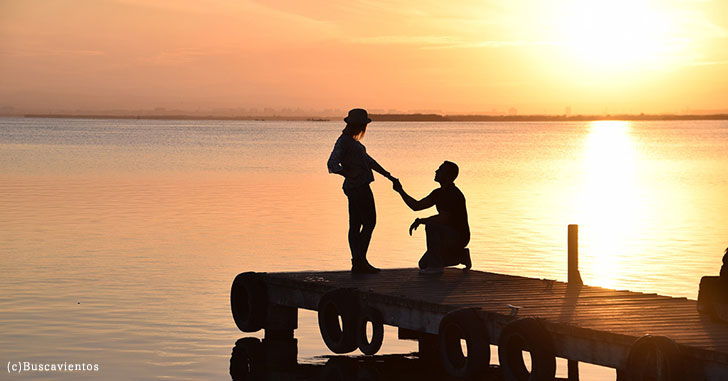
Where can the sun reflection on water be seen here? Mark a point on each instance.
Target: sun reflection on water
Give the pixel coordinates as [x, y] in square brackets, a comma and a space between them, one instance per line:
[609, 206]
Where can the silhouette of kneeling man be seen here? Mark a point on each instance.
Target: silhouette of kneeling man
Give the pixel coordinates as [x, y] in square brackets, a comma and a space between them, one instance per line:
[447, 232]
[713, 293]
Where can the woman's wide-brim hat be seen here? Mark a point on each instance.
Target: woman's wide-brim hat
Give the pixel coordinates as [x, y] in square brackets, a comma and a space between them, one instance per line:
[357, 116]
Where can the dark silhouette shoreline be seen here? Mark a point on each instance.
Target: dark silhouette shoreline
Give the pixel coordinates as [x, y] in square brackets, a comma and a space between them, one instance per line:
[406, 117]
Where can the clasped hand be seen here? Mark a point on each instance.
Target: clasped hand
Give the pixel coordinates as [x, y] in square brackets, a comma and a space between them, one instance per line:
[396, 185]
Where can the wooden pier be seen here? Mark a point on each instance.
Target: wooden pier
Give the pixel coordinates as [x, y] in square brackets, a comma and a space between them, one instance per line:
[582, 323]
[459, 313]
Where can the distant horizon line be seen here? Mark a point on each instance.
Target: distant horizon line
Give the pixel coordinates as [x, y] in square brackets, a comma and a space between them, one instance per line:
[410, 117]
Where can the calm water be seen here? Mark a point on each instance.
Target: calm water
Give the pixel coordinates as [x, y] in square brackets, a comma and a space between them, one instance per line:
[120, 238]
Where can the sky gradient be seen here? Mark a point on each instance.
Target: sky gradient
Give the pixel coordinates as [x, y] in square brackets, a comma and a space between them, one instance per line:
[412, 56]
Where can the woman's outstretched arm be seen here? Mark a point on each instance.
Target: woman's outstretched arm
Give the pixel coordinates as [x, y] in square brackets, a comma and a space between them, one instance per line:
[379, 169]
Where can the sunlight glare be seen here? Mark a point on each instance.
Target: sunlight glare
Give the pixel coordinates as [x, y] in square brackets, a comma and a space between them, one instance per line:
[610, 202]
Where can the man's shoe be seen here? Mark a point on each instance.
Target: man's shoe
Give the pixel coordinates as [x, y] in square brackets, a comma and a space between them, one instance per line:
[466, 259]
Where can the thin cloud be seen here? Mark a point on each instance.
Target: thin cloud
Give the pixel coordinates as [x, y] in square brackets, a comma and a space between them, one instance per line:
[50, 52]
[446, 42]
[494, 44]
[184, 55]
[707, 63]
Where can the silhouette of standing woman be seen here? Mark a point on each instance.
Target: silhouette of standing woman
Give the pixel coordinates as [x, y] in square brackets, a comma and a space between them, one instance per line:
[350, 159]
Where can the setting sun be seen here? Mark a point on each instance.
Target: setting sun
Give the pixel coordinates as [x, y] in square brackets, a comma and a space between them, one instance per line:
[618, 35]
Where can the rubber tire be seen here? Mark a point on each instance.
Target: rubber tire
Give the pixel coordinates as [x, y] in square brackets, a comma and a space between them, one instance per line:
[464, 324]
[249, 302]
[340, 302]
[644, 349]
[369, 314]
[526, 334]
[246, 362]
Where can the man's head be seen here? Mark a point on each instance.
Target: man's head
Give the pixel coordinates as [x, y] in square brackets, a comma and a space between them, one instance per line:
[447, 172]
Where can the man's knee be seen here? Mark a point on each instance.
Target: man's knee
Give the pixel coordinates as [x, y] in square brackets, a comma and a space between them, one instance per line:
[422, 263]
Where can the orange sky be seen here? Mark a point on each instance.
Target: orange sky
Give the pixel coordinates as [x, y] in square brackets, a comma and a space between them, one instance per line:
[451, 57]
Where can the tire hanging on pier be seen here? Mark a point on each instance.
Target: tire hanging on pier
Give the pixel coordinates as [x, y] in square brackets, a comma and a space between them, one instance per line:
[366, 346]
[526, 334]
[341, 303]
[464, 324]
[655, 357]
[249, 302]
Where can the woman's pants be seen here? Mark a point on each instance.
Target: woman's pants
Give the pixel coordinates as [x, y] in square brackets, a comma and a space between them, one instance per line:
[362, 218]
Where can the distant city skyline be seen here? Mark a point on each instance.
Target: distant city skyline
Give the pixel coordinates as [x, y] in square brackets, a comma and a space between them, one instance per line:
[377, 114]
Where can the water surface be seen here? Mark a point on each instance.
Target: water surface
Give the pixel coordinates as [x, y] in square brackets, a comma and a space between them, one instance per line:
[121, 237]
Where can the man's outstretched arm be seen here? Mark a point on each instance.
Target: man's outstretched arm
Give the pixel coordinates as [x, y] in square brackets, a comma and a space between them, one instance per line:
[410, 201]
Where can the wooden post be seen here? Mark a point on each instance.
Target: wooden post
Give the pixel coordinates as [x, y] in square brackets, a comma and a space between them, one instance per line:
[574, 276]
[574, 281]
[573, 370]
[281, 321]
[279, 345]
[429, 346]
